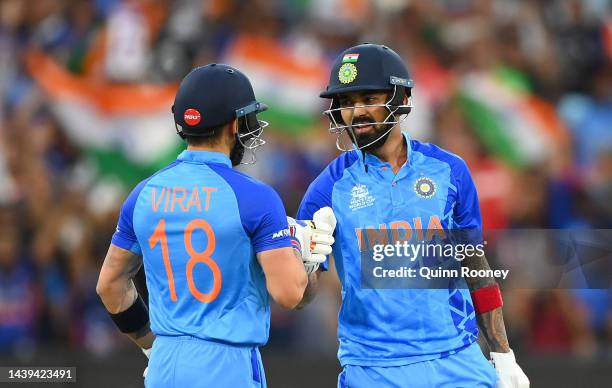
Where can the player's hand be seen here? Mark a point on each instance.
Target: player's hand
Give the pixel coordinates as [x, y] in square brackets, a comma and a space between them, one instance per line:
[313, 239]
[147, 352]
[509, 373]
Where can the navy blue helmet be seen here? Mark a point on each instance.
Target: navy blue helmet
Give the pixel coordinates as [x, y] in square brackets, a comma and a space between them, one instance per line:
[213, 95]
[368, 67]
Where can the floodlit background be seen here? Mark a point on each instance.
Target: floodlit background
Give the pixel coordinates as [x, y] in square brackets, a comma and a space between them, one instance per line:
[522, 90]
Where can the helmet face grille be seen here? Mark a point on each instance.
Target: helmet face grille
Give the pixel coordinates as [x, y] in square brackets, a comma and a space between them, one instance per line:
[250, 129]
[338, 127]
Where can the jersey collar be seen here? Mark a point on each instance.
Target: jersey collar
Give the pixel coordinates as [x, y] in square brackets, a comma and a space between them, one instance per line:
[202, 157]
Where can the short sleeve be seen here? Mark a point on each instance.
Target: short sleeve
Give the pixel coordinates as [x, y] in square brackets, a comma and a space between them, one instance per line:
[268, 225]
[262, 213]
[467, 209]
[124, 236]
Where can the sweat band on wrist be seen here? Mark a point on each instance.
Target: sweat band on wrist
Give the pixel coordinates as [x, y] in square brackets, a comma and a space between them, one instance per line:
[134, 318]
[487, 299]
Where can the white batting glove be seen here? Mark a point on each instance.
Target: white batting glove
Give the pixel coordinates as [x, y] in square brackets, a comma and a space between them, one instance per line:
[509, 373]
[313, 239]
[147, 352]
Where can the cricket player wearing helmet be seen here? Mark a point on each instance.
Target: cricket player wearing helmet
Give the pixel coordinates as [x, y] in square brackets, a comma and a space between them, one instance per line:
[404, 337]
[214, 243]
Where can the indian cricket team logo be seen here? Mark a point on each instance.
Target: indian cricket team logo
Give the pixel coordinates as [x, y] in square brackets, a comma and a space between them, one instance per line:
[360, 197]
[425, 187]
[347, 73]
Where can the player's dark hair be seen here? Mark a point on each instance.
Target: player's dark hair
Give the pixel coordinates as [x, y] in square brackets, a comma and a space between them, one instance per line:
[213, 136]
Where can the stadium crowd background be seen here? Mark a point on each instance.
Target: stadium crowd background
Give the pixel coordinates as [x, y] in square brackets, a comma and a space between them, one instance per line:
[522, 90]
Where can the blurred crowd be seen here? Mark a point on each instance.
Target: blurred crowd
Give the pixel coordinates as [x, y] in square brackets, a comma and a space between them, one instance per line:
[539, 71]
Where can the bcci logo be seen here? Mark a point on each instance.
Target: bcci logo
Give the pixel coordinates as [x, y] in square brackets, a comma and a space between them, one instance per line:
[347, 73]
[425, 187]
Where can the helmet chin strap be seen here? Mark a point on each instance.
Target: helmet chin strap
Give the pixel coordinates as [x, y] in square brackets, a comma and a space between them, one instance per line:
[179, 131]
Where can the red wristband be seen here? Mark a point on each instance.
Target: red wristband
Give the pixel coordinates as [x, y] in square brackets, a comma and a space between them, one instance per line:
[487, 299]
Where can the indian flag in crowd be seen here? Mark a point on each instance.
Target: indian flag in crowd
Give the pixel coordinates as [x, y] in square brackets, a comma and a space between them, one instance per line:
[288, 82]
[519, 127]
[126, 129]
[350, 58]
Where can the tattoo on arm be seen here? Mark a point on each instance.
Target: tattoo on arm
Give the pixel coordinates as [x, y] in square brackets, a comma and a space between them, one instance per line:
[117, 290]
[494, 331]
[491, 323]
[477, 263]
[134, 267]
[115, 285]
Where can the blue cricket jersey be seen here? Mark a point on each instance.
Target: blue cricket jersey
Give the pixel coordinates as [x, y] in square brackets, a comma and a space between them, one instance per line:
[198, 224]
[433, 190]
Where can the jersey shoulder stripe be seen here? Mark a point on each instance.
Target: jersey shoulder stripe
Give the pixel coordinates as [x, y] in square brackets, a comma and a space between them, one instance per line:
[261, 209]
[437, 152]
[459, 169]
[467, 209]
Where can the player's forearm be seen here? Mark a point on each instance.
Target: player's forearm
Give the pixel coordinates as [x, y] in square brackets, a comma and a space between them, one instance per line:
[311, 290]
[115, 285]
[118, 295]
[478, 263]
[490, 323]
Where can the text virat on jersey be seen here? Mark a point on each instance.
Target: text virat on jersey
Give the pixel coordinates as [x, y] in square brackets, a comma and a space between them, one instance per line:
[170, 199]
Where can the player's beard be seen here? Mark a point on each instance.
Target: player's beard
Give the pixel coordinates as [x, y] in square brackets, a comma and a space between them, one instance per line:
[237, 152]
[378, 137]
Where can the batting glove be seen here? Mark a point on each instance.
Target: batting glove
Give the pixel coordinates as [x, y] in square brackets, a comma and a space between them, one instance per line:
[313, 239]
[509, 373]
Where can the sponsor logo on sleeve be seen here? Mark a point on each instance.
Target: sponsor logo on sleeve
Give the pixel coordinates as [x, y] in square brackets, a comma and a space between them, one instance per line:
[281, 233]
